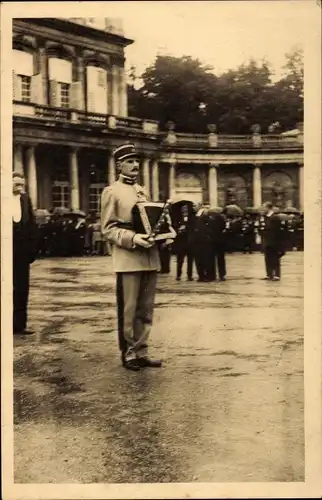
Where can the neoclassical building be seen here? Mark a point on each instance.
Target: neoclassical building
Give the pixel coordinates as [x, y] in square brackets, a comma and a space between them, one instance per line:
[70, 112]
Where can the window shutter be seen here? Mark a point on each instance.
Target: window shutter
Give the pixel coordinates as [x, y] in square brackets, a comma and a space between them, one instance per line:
[91, 88]
[90, 101]
[109, 93]
[54, 91]
[101, 78]
[76, 96]
[16, 87]
[36, 89]
[101, 91]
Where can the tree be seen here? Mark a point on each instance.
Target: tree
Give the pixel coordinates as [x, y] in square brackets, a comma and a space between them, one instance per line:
[188, 93]
[173, 89]
[242, 98]
[289, 90]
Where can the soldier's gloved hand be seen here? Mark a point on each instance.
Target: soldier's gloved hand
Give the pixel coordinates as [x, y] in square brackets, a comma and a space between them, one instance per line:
[141, 240]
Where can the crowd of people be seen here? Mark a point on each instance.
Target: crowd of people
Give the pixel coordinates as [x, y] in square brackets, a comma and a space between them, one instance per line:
[62, 232]
[203, 236]
[65, 233]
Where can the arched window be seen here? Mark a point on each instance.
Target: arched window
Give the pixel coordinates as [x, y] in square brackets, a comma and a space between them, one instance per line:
[23, 70]
[278, 187]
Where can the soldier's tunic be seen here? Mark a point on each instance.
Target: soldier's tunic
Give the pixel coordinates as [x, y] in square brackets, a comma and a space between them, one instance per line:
[136, 267]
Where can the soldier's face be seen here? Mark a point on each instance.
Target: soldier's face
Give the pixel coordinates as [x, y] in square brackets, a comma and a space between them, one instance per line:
[18, 185]
[130, 167]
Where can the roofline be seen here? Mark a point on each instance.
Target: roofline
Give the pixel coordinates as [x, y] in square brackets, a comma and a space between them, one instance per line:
[79, 29]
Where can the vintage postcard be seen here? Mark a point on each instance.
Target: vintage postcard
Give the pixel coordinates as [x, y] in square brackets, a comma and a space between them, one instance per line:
[161, 249]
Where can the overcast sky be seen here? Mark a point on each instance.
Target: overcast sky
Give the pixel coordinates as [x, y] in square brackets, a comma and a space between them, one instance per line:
[223, 34]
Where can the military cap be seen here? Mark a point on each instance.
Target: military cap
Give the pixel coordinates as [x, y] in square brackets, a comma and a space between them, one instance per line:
[124, 152]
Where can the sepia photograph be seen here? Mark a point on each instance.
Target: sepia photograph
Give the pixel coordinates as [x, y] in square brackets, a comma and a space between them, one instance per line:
[158, 175]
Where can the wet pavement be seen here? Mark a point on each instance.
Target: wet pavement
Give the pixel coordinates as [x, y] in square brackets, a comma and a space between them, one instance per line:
[227, 405]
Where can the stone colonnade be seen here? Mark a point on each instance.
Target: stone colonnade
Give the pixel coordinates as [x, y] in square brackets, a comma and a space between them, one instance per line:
[26, 164]
[257, 189]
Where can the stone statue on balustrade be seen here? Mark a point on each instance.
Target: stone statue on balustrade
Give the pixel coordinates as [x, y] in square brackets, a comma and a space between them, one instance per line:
[212, 136]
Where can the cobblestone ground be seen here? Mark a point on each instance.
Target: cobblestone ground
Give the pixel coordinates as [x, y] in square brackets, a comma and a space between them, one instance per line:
[226, 406]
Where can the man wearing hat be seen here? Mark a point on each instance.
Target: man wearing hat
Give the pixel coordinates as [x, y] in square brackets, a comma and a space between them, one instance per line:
[273, 245]
[135, 259]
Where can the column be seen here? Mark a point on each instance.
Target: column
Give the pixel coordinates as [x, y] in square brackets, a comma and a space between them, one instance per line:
[213, 186]
[32, 176]
[73, 179]
[111, 172]
[155, 181]
[115, 91]
[18, 159]
[172, 180]
[301, 186]
[146, 175]
[44, 73]
[122, 93]
[257, 187]
[81, 79]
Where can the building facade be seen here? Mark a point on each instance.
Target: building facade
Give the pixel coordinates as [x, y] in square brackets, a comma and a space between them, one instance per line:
[70, 113]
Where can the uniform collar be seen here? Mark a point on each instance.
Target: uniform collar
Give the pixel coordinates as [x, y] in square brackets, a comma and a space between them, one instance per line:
[127, 180]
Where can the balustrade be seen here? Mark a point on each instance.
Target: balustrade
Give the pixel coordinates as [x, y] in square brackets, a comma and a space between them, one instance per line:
[151, 127]
[54, 113]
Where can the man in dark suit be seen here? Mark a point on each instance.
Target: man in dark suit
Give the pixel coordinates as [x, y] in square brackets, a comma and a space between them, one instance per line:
[183, 244]
[202, 244]
[24, 232]
[272, 244]
[218, 261]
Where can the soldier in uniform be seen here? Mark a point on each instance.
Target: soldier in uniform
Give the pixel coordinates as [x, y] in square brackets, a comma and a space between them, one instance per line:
[135, 258]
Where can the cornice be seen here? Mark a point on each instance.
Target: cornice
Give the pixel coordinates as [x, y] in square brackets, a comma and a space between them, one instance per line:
[68, 26]
[47, 34]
